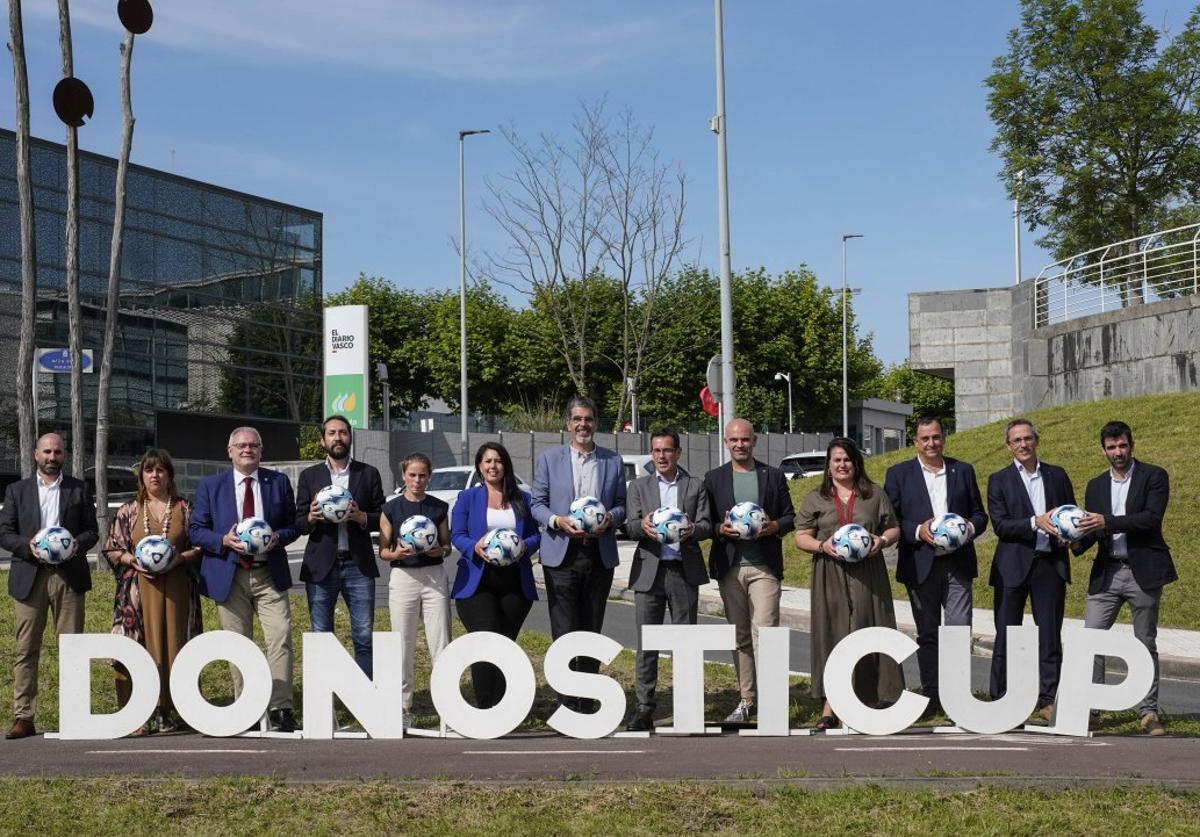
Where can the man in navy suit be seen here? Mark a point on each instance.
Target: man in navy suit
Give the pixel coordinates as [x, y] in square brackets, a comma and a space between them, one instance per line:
[921, 490]
[749, 572]
[339, 558]
[48, 498]
[577, 566]
[1031, 561]
[241, 584]
[1126, 505]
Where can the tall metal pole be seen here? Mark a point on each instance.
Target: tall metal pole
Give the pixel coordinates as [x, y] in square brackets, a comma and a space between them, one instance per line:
[717, 124]
[791, 415]
[845, 385]
[464, 408]
[1017, 227]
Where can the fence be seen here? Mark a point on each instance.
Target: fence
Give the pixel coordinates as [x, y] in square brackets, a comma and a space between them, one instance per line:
[1146, 269]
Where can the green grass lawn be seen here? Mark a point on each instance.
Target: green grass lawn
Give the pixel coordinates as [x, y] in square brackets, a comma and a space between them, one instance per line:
[1163, 429]
[237, 806]
[720, 685]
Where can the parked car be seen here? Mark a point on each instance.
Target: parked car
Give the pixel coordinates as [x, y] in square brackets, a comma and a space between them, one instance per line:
[799, 465]
[445, 483]
[122, 483]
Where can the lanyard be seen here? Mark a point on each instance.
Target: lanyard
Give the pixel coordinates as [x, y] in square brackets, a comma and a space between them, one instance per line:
[845, 512]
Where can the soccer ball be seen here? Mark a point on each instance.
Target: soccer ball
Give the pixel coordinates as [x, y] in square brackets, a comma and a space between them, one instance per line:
[748, 519]
[419, 532]
[502, 547]
[852, 542]
[154, 553]
[669, 523]
[254, 533]
[1066, 520]
[949, 531]
[334, 502]
[588, 513]
[54, 545]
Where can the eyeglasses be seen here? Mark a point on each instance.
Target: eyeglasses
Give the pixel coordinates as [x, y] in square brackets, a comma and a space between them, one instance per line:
[246, 445]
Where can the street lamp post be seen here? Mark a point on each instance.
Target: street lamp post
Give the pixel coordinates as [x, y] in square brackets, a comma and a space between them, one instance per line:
[845, 385]
[717, 125]
[462, 287]
[381, 373]
[787, 376]
[1017, 226]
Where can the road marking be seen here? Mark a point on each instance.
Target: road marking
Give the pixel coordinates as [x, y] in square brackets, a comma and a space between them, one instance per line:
[927, 749]
[551, 752]
[175, 752]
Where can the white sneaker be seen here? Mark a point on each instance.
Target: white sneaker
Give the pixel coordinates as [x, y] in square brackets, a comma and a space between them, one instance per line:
[742, 714]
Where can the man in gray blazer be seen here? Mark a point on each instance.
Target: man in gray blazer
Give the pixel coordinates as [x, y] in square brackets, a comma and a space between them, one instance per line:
[577, 566]
[48, 498]
[664, 576]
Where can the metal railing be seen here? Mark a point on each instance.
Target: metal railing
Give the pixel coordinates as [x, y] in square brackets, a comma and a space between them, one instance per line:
[1154, 267]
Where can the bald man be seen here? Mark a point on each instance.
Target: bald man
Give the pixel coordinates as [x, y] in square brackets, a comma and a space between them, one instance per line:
[748, 571]
[48, 498]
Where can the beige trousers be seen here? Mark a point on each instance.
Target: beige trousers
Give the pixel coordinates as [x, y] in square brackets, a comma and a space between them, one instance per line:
[415, 592]
[750, 595]
[254, 592]
[50, 593]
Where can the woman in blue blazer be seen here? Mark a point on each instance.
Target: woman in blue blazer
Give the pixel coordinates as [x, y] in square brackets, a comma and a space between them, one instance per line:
[488, 597]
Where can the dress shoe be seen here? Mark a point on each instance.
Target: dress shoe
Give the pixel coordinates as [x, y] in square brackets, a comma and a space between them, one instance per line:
[1152, 725]
[1046, 713]
[642, 721]
[21, 728]
[931, 711]
[283, 720]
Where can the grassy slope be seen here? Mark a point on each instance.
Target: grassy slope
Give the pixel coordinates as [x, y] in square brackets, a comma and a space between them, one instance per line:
[1164, 428]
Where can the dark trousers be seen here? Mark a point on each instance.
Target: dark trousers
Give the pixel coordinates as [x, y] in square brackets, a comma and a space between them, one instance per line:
[670, 590]
[1048, 592]
[577, 593]
[499, 606]
[946, 587]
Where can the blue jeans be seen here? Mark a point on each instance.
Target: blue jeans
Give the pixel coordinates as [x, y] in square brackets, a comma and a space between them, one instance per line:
[359, 592]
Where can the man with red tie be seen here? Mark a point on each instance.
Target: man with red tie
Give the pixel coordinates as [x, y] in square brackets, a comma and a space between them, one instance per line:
[242, 584]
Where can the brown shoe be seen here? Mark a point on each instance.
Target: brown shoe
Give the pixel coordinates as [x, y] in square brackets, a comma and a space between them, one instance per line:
[1152, 725]
[21, 728]
[1046, 713]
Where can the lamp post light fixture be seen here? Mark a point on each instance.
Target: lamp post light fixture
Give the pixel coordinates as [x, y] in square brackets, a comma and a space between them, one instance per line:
[787, 376]
[462, 288]
[845, 387]
[381, 373]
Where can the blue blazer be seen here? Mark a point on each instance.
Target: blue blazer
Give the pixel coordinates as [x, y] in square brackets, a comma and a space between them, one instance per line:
[215, 512]
[554, 490]
[1009, 504]
[905, 487]
[468, 523]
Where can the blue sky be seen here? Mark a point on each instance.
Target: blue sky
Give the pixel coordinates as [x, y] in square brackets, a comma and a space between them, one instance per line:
[863, 117]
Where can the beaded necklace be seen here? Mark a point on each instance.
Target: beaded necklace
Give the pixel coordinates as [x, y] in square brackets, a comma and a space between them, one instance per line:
[166, 523]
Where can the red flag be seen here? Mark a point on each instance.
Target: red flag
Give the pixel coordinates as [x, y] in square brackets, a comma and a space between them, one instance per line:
[710, 404]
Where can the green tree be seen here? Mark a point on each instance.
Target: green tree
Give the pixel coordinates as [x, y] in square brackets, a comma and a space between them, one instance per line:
[1102, 116]
[927, 394]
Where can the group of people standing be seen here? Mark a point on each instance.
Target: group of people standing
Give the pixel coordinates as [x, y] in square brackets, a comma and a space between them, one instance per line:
[162, 611]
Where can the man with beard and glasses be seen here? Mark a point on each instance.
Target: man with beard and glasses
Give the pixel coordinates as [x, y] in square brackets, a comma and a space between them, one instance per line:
[338, 558]
[48, 498]
[1126, 505]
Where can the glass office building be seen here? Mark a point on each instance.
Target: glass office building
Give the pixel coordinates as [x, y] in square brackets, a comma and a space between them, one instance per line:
[220, 298]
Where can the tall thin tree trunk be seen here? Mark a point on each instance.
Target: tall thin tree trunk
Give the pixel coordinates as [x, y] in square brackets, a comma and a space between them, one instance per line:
[112, 305]
[25, 346]
[74, 314]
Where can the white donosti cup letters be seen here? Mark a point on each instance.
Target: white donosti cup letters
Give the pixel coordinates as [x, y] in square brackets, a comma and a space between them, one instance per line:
[330, 671]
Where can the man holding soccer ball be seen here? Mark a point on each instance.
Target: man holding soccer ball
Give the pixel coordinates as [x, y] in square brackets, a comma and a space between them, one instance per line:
[339, 558]
[1126, 507]
[48, 498]
[748, 568]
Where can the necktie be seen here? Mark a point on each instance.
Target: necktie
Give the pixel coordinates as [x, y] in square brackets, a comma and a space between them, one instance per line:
[247, 511]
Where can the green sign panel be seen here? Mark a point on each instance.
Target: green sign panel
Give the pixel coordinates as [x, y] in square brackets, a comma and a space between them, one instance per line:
[346, 395]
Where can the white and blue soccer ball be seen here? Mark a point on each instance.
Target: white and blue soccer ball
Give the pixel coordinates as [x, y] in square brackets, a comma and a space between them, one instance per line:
[747, 519]
[669, 523]
[852, 542]
[419, 533]
[54, 545]
[1066, 520]
[502, 547]
[334, 503]
[254, 533]
[949, 531]
[588, 513]
[154, 553]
